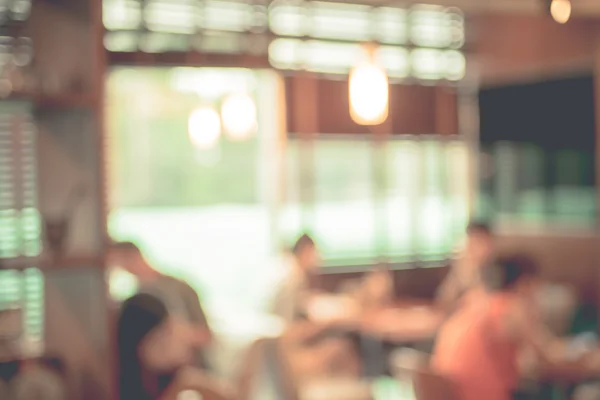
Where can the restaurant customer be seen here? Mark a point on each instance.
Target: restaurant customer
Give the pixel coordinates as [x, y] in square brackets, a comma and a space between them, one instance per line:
[313, 347]
[479, 346]
[179, 297]
[464, 275]
[154, 356]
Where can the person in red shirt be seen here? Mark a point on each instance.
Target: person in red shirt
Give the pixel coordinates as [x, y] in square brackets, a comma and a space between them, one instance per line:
[478, 348]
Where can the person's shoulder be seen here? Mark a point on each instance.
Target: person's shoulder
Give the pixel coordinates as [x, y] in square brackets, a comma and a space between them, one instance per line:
[180, 282]
[173, 282]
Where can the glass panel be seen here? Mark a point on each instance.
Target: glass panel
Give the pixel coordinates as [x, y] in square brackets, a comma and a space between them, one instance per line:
[220, 42]
[433, 224]
[395, 60]
[19, 10]
[344, 208]
[34, 304]
[402, 197]
[428, 63]
[171, 16]
[122, 14]
[227, 16]
[573, 196]
[287, 19]
[286, 53]
[163, 42]
[391, 25]
[340, 21]
[321, 56]
[455, 65]
[19, 218]
[121, 41]
[536, 184]
[433, 26]
[528, 170]
[293, 212]
[10, 289]
[458, 180]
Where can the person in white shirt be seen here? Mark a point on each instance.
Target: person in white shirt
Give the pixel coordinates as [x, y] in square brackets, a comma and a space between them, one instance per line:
[311, 351]
[294, 292]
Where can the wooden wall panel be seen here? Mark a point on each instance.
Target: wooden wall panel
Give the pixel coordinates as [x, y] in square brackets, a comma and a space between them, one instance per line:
[514, 47]
[415, 109]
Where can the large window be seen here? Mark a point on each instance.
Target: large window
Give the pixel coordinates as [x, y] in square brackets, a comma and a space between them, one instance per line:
[201, 211]
[538, 143]
[403, 200]
[218, 216]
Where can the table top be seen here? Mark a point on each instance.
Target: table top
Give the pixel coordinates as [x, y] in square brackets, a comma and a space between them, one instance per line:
[404, 321]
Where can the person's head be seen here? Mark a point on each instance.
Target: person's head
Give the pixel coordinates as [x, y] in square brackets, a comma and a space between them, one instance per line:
[150, 343]
[511, 273]
[127, 255]
[480, 241]
[306, 253]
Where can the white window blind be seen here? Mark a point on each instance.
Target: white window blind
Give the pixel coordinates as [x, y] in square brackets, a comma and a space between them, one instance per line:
[19, 216]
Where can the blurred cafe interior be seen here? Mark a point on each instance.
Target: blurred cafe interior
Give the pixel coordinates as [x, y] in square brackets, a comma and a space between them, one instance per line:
[356, 151]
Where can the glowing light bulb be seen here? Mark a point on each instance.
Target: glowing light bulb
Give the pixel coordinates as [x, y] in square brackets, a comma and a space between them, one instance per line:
[238, 113]
[204, 127]
[561, 10]
[369, 94]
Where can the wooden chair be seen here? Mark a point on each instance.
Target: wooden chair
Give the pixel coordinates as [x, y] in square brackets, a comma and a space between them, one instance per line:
[428, 385]
[266, 375]
[413, 366]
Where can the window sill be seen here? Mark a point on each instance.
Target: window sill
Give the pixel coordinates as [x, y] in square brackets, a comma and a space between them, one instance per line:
[341, 268]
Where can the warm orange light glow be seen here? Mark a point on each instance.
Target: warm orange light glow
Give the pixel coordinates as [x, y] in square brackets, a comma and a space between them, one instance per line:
[204, 127]
[561, 10]
[369, 94]
[238, 113]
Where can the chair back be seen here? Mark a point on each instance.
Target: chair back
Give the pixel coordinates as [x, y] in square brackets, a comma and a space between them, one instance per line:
[428, 385]
[412, 367]
[264, 374]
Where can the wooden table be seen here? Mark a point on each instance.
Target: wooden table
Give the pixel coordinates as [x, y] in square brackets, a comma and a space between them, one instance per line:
[405, 321]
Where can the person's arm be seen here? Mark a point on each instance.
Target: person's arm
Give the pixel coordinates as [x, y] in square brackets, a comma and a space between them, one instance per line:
[450, 291]
[193, 379]
[549, 350]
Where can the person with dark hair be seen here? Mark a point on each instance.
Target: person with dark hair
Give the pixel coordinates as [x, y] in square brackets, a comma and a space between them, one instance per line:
[464, 275]
[479, 346]
[179, 297]
[154, 355]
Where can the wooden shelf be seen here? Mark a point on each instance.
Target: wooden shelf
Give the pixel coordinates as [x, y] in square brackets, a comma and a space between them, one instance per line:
[70, 100]
[46, 263]
[67, 100]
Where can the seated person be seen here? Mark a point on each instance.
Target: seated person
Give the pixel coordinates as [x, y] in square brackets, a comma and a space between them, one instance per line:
[463, 277]
[376, 289]
[154, 354]
[479, 346]
[179, 297]
[312, 351]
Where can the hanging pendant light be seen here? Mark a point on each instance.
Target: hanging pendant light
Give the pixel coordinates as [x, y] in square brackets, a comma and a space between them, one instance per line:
[204, 127]
[369, 91]
[238, 114]
[561, 10]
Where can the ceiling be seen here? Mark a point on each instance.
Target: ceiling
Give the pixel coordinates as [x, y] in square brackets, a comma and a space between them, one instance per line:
[581, 8]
